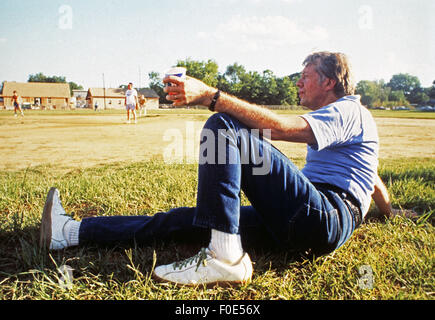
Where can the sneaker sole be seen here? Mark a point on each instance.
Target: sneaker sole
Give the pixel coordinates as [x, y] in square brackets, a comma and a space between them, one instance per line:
[45, 231]
[210, 285]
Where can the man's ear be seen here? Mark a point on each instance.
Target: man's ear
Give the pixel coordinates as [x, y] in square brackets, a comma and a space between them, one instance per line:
[329, 84]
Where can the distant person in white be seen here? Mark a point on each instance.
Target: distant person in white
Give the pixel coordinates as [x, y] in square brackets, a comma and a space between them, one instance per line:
[131, 102]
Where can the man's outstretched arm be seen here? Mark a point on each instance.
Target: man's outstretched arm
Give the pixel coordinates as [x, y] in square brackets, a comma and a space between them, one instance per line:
[194, 92]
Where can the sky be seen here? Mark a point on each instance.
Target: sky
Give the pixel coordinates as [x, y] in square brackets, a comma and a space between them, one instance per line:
[89, 41]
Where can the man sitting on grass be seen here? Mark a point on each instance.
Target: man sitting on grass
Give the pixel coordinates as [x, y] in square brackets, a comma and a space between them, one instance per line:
[315, 209]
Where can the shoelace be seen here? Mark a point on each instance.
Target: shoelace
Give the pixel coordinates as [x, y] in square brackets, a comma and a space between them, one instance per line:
[199, 258]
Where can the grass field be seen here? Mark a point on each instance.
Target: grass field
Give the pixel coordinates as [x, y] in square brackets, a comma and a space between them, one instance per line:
[104, 167]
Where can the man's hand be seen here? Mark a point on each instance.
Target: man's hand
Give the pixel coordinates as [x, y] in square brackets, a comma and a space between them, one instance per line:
[382, 201]
[188, 92]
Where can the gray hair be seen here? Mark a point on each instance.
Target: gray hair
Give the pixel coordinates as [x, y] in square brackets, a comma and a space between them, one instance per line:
[335, 66]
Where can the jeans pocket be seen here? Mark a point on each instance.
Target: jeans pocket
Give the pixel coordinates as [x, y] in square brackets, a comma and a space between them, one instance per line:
[315, 230]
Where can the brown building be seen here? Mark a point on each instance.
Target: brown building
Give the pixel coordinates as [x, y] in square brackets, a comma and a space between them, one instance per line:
[111, 98]
[33, 94]
[107, 98]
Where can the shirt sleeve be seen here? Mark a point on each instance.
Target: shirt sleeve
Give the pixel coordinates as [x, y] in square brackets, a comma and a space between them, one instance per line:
[327, 124]
[335, 124]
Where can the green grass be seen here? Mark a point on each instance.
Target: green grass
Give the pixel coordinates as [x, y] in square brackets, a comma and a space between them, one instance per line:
[399, 251]
[409, 114]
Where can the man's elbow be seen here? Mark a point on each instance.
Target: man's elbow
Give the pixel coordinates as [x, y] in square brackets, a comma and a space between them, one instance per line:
[292, 135]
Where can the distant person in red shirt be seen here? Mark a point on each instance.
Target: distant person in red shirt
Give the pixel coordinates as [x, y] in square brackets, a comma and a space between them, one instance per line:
[16, 101]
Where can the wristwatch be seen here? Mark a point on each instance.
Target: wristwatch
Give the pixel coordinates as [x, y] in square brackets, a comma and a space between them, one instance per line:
[214, 100]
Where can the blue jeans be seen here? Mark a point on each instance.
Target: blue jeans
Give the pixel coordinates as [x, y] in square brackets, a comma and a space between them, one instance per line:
[287, 211]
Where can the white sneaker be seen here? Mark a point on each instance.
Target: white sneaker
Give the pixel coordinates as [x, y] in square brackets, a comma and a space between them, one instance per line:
[128, 121]
[204, 268]
[53, 221]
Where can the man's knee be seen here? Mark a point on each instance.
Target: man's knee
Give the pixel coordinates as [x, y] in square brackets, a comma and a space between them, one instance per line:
[220, 121]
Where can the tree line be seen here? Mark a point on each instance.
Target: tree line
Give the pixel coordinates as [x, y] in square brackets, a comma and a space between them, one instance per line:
[261, 88]
[402, 90]
[267, 89]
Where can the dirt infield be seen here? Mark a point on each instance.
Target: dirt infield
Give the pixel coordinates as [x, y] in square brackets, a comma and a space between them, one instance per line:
[83, 140]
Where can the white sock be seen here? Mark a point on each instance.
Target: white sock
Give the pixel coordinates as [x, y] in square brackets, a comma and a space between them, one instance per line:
[71, 232]
[226, 246]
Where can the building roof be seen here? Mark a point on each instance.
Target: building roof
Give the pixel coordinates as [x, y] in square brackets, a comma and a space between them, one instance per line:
[110, 92]
[120, 93]
[37, 89]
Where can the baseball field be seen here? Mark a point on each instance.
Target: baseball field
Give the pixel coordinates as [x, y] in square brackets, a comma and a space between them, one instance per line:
[103, 166]
[82, 139]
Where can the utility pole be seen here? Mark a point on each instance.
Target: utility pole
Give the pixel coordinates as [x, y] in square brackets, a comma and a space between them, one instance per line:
[104, 90]
[140, 77]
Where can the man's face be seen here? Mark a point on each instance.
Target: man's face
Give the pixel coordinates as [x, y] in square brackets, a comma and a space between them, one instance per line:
[311, 92]
[129, 86]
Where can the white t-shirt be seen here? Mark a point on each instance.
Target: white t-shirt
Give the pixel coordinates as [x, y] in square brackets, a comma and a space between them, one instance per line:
[346, 152]
[131, 96]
